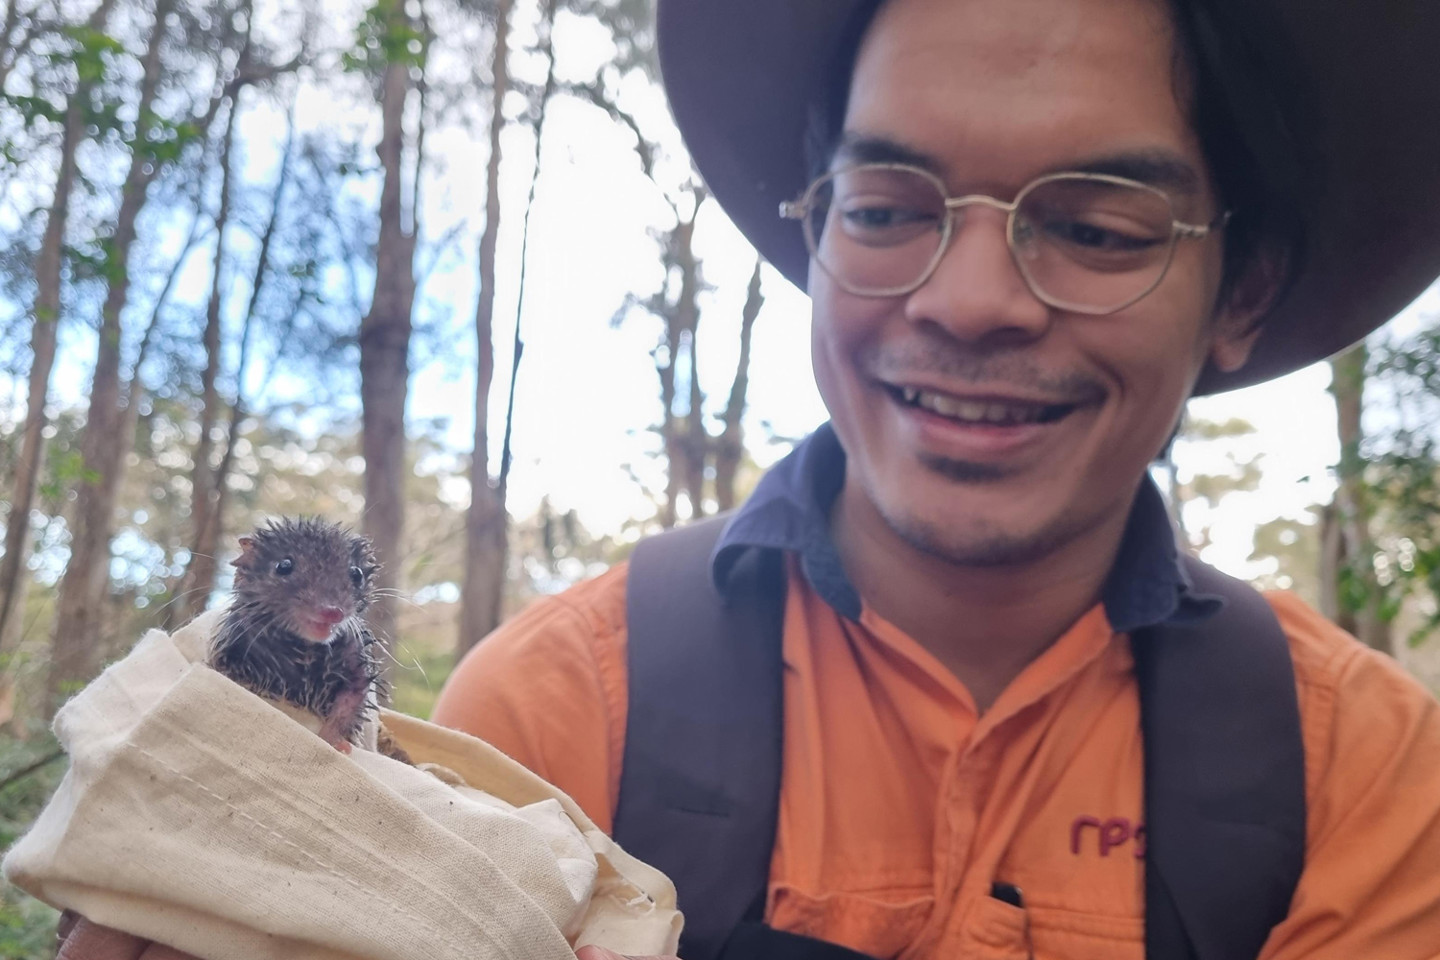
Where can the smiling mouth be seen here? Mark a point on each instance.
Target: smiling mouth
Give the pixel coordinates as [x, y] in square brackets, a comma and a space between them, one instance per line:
[976, 412]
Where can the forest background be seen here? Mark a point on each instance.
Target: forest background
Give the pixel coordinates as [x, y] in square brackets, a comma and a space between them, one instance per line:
[438, 269]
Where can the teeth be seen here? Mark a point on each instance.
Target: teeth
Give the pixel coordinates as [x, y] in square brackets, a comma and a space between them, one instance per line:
[972, 411]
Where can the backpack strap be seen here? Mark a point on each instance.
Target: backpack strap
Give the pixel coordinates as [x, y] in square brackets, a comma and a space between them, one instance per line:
[700, 785]
[700, 779]
[1224, 776]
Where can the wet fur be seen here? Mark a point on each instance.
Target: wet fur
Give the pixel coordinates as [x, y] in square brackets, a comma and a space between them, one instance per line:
[257, 647]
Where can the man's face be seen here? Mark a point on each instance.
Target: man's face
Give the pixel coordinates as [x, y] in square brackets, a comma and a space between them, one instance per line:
[991, 94]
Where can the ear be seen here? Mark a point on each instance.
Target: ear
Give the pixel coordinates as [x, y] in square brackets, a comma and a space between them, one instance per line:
[1240, 318]
[246, 558]
[362, 551]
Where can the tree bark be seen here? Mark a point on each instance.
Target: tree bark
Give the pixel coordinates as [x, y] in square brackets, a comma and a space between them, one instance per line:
[730, 447]
[482, 592]
[83, 588]
[384, 354]
[45, 324]
[1361, 597]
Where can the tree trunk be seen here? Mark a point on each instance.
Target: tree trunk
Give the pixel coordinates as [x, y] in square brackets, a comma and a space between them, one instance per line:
[730, 447]
[1360, 595]
[384, 355]
[45, 324]
[483, 588]
[694, 446]
[199, 578]
[83, 589]
[1332, 561]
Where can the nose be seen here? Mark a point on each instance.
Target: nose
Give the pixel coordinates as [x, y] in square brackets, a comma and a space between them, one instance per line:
[329, 616]
[976, 292]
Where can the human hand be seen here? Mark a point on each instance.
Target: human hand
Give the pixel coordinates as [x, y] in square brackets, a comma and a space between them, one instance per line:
[79, 939]
[600, 953]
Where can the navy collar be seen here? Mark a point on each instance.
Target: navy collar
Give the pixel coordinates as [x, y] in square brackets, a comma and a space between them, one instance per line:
[790, 508]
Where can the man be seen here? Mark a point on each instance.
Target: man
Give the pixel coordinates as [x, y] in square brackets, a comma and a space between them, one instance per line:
[959, 704]
[1033, 229]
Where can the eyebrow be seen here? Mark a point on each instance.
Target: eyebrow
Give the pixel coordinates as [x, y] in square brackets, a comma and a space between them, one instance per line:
[1158, 168]
[864, 148]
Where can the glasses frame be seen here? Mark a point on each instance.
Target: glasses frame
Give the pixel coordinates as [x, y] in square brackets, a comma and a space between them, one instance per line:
[801, 208]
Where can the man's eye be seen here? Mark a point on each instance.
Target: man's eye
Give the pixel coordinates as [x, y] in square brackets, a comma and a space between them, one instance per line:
[882, 223]
[284, 567]
[1091, 236]
[882, 217]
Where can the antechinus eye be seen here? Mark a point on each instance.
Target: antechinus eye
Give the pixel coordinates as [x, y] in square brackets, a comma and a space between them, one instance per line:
[357, 576]
[283, 567]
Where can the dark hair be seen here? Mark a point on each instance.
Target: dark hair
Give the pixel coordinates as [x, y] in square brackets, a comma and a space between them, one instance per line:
[1244, 105]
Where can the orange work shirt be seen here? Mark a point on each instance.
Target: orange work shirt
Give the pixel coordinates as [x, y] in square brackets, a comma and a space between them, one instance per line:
[900, 804]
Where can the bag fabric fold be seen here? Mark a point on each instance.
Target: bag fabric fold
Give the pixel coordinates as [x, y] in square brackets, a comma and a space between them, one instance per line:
[196, 814]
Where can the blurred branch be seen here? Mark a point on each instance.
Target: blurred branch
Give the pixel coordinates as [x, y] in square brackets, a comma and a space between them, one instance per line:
[30, 768]
[548, 48]
[594, 93]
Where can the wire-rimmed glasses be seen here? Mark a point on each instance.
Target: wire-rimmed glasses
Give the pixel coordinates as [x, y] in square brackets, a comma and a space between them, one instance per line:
[1087, 243]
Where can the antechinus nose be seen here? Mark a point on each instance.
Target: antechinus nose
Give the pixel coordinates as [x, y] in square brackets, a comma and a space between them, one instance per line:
[330, 615]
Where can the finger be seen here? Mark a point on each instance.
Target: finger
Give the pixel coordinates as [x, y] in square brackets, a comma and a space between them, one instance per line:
[597, 953]
[158, 951]
[68, 919]
[90, 941]
[600, 953]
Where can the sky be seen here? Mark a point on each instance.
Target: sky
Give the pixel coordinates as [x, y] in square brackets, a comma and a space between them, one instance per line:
[587, 389]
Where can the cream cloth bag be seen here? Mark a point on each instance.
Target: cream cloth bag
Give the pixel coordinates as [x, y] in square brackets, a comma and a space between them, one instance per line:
[196, 814]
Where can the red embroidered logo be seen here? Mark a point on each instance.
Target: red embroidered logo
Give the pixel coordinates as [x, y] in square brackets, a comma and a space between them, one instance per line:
[1109, 834]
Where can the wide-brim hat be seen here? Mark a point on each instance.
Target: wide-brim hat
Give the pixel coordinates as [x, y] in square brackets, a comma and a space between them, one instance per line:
[741, 76]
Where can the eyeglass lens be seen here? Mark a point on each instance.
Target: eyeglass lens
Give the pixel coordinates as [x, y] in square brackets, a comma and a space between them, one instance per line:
[1090, 244]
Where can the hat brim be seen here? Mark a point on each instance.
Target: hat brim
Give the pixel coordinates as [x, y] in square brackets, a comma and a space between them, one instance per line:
[741, 76]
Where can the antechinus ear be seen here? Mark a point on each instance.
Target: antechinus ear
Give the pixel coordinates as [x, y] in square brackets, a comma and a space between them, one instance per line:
[363, 552]
[247, 547]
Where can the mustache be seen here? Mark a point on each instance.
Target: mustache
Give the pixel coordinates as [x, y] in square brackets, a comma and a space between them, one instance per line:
[988, 369]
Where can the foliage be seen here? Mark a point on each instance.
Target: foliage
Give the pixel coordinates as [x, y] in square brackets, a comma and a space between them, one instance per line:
[27, 927]
[1197, 497]
[1403, 475]
[385, 36]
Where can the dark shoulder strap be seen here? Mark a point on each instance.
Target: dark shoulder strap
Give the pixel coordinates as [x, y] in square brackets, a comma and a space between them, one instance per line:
[700, 780]
[1224, 759]
[1224, 777]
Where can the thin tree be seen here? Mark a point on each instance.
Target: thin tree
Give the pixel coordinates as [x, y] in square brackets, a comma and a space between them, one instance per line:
[547, 48]
[83, 588]
[206, 546]
[480, 592]
[492, 594]
[386, 328]
[730, 445]
[209, 483]
[697, 462]
[45, 315]
[113, 407]
[1351, 594]
[200, 570]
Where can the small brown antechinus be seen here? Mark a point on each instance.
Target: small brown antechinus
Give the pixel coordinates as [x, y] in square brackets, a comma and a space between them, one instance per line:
[295, 630]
